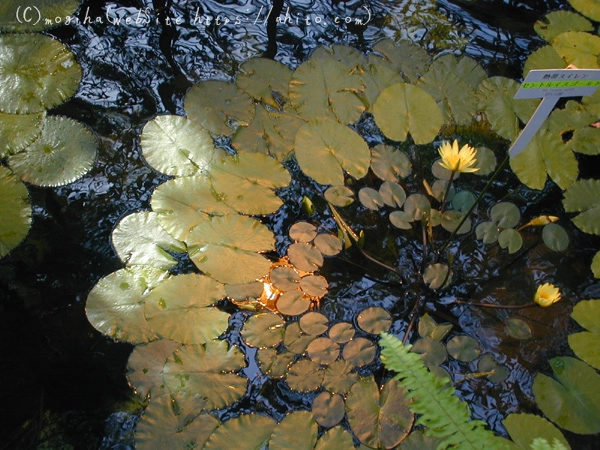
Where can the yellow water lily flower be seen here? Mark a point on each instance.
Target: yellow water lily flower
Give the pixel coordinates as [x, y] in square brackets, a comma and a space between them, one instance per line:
[457, 160]
[546, 295]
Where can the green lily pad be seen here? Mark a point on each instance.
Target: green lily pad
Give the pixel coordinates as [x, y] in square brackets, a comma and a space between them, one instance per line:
[429, 328]
[293, 303]
[115, 305]
[518, 328]
[303, 232]
[304, 376]
[416, 206]
[524, 428]
[38, 15]
[432, 351]
[404, 108]
[543, 58]
[437, 275]
[145, 366]
[305, 257]
[339, 195]
[273, 363]
[17, 131]
[388, 163]
[570, 399]
[314, 323]
[588, 8]
[403, 57]
[596, 265]
[139, 239]
[370, 198]
[335, 438]
[261, 77]
[297, 430]
[463, 348]
[486, 161]
[583, 196]
[419, 440]
[263, 330]
[392, 194]
[450, 220]
[245, 291]
[328, 409]
[378, 418]
[328, 244]
[497, 373]
[38, 73]
[65, 151]
[285, 278]
[359, 351]
[505, 214]
[15, 210]
[338, 377]
[177, 146]
[324, 88]
[341, 332]
[578, 48]
[181, 308]
[511, 239]
[376, 77]
[161, 427]
[401, 220]
[558, 22]
[206, 371]
[325, 150]
[584, 141]
[219, 106]
[323, 351]
[555, 237]
[586, 344]
[251, 431]
[228, 248]
[374, 320]
[295, 340]
[487, 232]
[462, 201]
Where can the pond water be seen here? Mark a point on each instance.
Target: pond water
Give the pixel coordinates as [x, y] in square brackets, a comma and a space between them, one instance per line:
[63, 379]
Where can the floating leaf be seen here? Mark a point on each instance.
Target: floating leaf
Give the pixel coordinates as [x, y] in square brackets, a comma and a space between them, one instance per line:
[161, 427]
[388, 163]
[205, 370]
[419, 440]
[328, 244]
[555, 237]
[379, 419]
[177, 146]
[305, 257]
[15, 210]
[274, 364]
[524, 428]
[401, 220]
[450, 220]
[181, 308]
[328, 409]
[219, 106]
[588, 8]
[38, 73]
[303, 232]
[376, 77]
[323, 350]
[323, 88]
[296, 341]
[297, 430]
[578, 48]
[404, 108]
[314, 323]
[584, 141]
[64, 152]
[249, 431]
[335, 438]
[261, 77]
[437, 275]
[557, 22]
[496, 372]
[570, 399]
[505, 214]
[429, 328]
[139, 239]
[325, 149]
[487, 232]
[486, 161]
[338, 376]
[341, 332]
[374, 320]
[304, 376]
[339, 195]
[392, 194]
[432, 351]
[403, 57]
[227, 248]
[285, 278]
[462, 201]
[17, 131]
[517, 328]
[417, 206]
[145, 366]
[293, 303]
[370, 198]
[263, 330]
[359, 351]
[314, 285]
[584, 196]
[510, 239]
[596, 265]
[586, 344]
[115, 305]
[463, 348]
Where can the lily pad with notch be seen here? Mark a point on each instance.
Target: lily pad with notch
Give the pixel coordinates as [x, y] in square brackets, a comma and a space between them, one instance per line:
[15, 210]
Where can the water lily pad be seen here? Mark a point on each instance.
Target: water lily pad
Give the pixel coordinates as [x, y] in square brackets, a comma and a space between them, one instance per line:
[323, 88]
[403, 57]
[293, 303]
[432, 351]
[429, 328]
[524, 428]
[486, 161]
[388, 163]
[338, 377]
[578, 48]
[463, 348]
[596, 265]
[305, 257]
[401, 220]
[588, 8]
[115, 305]
[496, 372]
[219, 106]
[314, 323]
[325, 150]
[227, 248]
[510, 239]
[555, 237]
[40, 15]
[487, 232]
[161, 427]
[251, 431]
[450, 220]
[297, 430]
[245, 291]
[558, 22]
[295, 340]
[404, 108]
[303, 232]
[335, 438]
[205, 370]
[370, 198]
[378, 418]
[273, 363]
[586, 344]
[359, 351]
[392, 194]
[304, 376]
[374, 320]
[416, 206]
[139, 239]
[341, 332]
[328, 409]
[505, 214]
[177, 146]
[261, 77]
[339, 195]
[437, 275]
[263, 330]
[518, 328]
[583, 196]
[571, 399]
[584, 141]
[145, 366]
[285, 278]
[64, 152]
[328, 244]
[15, 210]
[181, 308]
[376, 77]
[323, 351]
[38, 73]
[17, 131]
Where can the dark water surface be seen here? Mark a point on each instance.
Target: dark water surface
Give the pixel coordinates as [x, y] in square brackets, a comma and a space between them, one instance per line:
[63, 376]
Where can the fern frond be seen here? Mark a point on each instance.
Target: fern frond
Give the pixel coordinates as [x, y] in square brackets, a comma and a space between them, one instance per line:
[442, 413]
